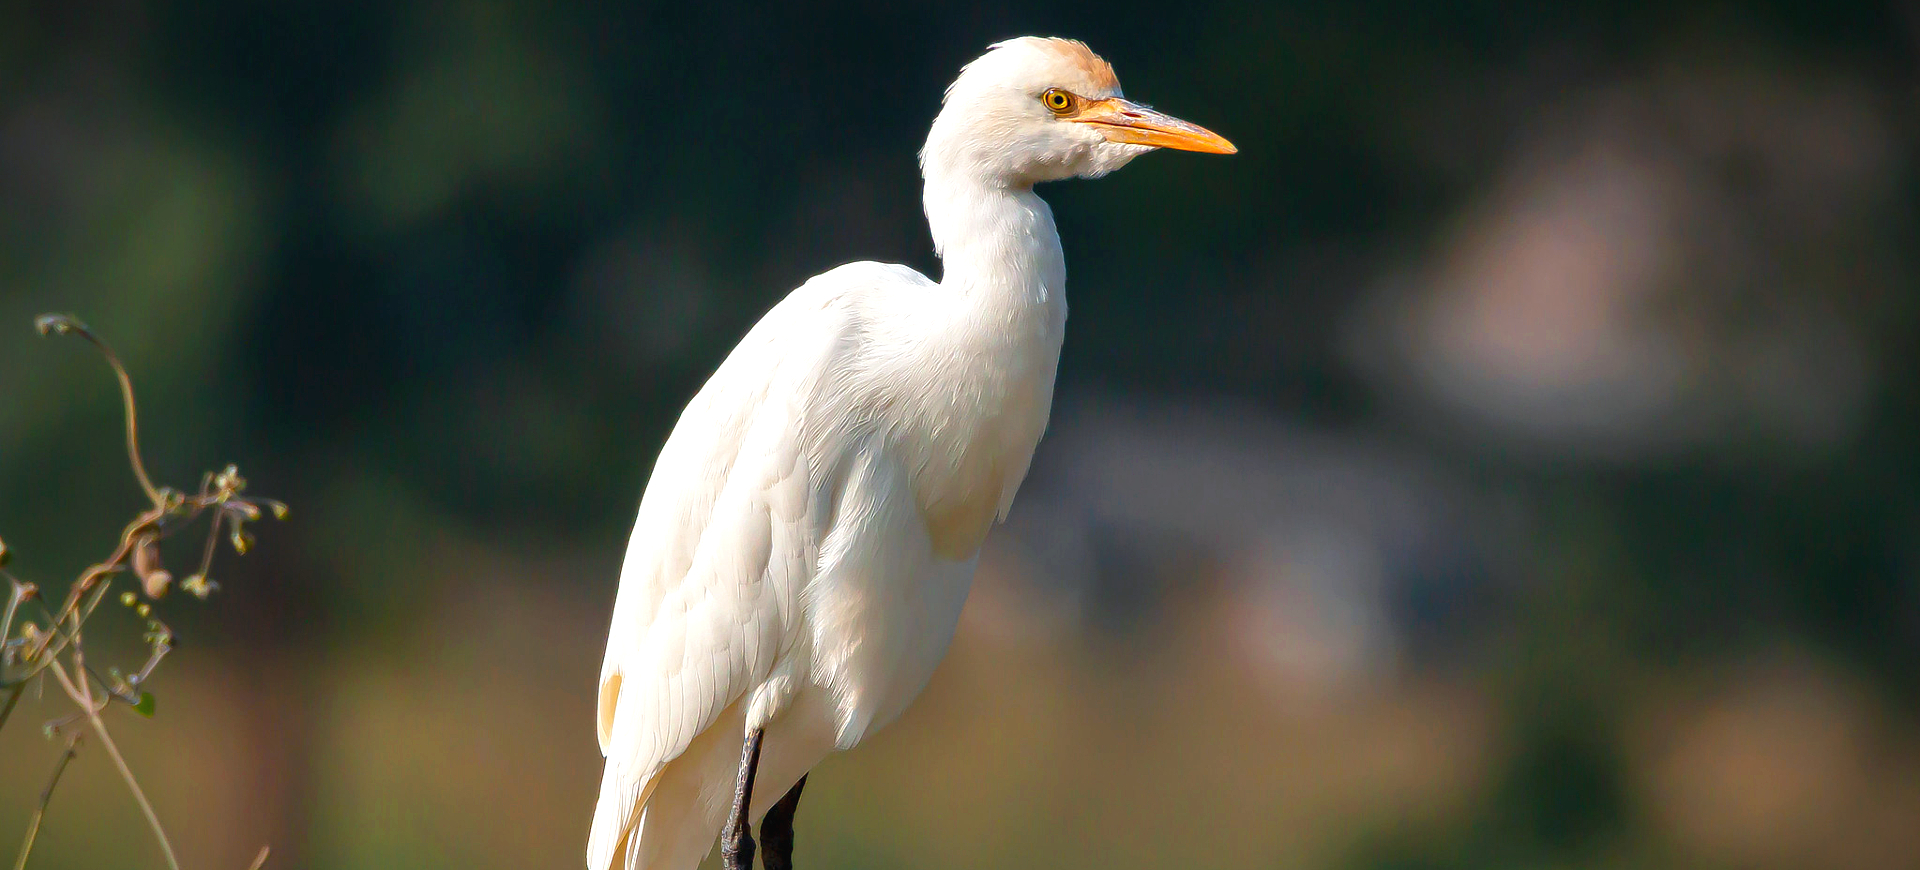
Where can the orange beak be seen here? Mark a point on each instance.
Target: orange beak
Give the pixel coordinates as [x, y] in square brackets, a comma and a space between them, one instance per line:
[1123, 121]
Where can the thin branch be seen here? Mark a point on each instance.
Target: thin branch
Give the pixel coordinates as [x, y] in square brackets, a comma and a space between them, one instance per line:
[84, 697]
[46, 794]
[213, 543]
[259, 860]
[61, 324]
[20, 593]
[114, 692]
[59, 725]
[13, 700]
[17, 593]
[90, 581]
[41, 647]
[160, 650]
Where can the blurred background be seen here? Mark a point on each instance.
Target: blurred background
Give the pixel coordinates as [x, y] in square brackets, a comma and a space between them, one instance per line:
[1508, 460]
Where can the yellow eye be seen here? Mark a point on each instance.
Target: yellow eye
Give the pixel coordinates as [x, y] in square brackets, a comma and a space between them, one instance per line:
[1057, 100]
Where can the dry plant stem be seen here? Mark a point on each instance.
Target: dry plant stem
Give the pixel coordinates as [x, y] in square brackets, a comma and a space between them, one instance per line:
[75, 611]
[213, 541]
[194, 506]
[89, 582]
[14, 597]
[17, 594]
[84, 697]
[43, 648]
[93, 575]
[46, 794]
[64, 324]
[13, 699]
[146, 670]
[259, 860]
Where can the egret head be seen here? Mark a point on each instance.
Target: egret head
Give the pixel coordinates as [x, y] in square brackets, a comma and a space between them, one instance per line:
[1037, 109]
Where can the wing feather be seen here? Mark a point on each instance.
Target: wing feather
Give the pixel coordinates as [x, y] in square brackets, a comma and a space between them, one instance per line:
[727, 535]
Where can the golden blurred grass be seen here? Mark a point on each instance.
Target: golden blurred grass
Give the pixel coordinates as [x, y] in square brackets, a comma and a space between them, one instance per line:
[469, 744]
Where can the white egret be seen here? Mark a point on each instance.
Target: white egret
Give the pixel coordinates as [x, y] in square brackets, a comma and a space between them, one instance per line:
[812, 524]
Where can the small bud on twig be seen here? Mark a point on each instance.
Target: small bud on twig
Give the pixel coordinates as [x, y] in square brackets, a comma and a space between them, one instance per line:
[57, 324]
[155, 584]
[198, 586]
[229, 480]
[154, 579]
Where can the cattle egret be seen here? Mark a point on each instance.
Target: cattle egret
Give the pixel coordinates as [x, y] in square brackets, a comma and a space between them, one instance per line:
[812, 524]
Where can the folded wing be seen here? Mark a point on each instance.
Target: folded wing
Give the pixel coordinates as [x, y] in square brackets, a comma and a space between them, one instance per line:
[729, 532]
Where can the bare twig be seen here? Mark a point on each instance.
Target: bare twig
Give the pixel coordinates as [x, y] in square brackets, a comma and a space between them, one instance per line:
[206, 554]
[62, 324]
[46, 794]
[161, 647]
[45, 639]
[90, 582]
[17, 593]
[82, 696]
[56, 727]
[259, 860]
[13, 700]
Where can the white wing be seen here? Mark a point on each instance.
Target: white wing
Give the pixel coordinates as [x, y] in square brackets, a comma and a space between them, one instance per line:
[729, 531]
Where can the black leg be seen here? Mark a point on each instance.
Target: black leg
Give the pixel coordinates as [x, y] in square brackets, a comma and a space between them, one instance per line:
[736, 841]
[776, 830]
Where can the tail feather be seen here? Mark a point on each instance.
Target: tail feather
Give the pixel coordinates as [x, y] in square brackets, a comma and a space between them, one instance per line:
[677, 817]
[614, 821]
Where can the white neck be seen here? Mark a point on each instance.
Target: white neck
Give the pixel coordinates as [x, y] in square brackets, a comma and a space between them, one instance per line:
[997, 243]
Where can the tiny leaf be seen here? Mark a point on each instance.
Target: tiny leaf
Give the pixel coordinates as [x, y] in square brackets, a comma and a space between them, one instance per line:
[144, 706]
